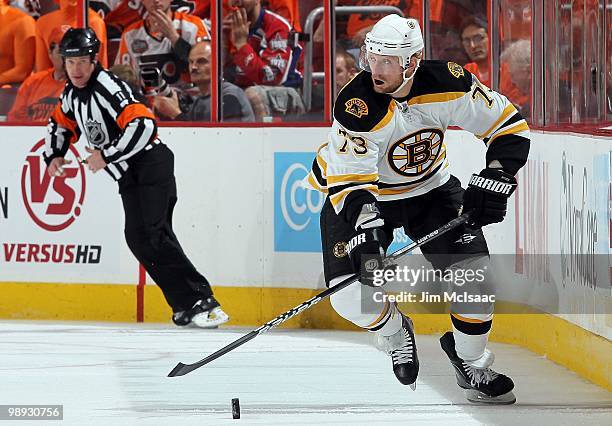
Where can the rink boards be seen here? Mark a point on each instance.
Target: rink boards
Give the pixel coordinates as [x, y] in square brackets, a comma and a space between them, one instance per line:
[253, 231]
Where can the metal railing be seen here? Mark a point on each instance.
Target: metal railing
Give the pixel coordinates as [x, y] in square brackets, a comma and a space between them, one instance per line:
[309, 74]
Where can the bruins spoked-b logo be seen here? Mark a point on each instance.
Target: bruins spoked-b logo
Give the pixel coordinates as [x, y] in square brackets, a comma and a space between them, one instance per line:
[456, 69]
[416, 153]
[356, 107]
[340, 249]
[95, 135]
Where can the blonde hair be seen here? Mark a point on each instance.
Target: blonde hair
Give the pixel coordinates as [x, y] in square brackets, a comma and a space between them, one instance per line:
[517, 53]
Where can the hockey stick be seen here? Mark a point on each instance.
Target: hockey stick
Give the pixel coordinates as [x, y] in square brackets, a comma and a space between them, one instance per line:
[182, 369]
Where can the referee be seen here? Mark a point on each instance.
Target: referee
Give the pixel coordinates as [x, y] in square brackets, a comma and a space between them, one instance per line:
[122, 137]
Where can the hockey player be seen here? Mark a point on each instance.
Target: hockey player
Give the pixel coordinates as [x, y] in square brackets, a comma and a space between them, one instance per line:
[384, 166]
[122, 138]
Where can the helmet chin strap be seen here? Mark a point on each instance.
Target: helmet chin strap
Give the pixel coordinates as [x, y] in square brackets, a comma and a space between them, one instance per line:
[406, 79]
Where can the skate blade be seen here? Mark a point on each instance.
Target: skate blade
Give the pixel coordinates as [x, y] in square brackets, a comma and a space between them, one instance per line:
[212, 319]
[413, 386]
[477, 397]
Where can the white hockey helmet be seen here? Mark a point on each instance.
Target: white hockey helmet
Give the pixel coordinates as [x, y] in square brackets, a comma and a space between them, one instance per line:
[393, 36]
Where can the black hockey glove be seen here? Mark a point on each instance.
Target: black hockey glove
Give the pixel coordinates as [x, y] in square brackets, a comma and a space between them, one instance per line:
[487, 196]
[366, 246]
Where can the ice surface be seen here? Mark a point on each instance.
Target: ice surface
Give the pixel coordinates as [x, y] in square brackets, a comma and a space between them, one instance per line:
[115, 374]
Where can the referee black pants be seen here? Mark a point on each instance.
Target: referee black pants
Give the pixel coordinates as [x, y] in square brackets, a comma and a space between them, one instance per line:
[148, 192]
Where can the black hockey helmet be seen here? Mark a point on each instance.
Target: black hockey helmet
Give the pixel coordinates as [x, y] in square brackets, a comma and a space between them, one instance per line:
[79, 42]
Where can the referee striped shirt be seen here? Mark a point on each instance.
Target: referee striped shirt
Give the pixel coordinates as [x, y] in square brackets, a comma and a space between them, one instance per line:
[108, 115]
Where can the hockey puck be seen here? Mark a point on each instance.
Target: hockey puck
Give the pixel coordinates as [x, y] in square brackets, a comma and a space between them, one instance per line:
[235, 408]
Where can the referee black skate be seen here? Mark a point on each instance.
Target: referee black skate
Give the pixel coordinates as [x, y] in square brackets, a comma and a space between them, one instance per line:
[122, 138]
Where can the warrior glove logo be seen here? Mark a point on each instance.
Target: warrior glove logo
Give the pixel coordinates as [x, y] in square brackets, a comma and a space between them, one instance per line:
[492, 186]
[355, 241]
[356, 107]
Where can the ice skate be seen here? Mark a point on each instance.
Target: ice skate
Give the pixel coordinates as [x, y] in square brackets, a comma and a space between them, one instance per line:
[482, 384]
[205, 313]
[401, 346]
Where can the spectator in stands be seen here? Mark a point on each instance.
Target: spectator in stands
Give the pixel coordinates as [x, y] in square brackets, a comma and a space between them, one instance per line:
[118, 14]
[288, 9]
[475, 40]
[446, 31]
[66, 16]
[40, 92]
[158, 46]
[264, 59]
[18, 44]
[346, 68]
[236, 106]
[517, 57]
[31, 7]
[127, 74]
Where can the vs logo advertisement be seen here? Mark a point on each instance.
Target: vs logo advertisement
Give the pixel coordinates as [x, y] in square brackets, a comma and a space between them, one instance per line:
[53, 203]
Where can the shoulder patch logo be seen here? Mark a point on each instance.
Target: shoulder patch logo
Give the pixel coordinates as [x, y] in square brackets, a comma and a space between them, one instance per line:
[356, 107]
[340, 249]
[456, 69]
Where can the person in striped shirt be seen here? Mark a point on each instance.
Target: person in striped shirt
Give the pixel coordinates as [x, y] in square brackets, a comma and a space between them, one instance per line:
[122, 140]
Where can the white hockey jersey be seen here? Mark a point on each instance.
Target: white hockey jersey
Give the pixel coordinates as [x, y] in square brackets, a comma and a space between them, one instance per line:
[381, 148]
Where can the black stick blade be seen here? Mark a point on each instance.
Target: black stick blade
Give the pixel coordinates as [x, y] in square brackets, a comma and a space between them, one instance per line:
[179, 370]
